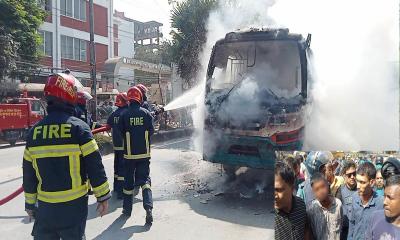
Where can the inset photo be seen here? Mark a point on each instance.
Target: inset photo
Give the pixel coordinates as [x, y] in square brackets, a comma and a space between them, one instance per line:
[337, 195]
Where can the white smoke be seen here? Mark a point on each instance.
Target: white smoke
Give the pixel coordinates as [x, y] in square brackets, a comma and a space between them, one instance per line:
[355, 93]
[229, 16]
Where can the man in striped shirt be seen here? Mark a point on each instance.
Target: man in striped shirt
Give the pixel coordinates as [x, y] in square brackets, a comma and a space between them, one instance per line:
[290, 210]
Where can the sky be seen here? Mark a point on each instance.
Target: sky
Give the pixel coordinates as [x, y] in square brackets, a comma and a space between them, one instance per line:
[147, 10]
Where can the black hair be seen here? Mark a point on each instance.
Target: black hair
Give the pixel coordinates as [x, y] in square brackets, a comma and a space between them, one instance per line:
[285, 172]
[392, 180]
[347, 164]
[291, 161]
[299, 159]
[368, 169]
[316, 177]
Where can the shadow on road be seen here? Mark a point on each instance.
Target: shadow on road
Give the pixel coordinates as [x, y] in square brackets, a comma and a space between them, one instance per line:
[113, 205]
[115, 230]
[9, 146]
[12, 217]
[10, 180]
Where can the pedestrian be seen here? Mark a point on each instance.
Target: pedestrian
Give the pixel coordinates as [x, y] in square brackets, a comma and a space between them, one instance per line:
[334, 181]
[300, 159]
[136, 125]
[295, 165]
[365, 202]
[118, 143]
[345, 193]
[290, 211]
[379, 184]
[155, 111]
[314, 163]
[325, 212]
[385, 224]
[379, 162]
[60, 157]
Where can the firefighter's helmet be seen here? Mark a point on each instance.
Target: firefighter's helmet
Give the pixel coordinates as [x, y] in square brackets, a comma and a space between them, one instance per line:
[83, 97]
[134, 94]
[63, 87]
[315, 160]
[142, 88]
[121, 99]
[390, 167]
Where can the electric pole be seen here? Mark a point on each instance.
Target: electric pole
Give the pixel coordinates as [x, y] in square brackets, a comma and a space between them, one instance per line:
[93, 61]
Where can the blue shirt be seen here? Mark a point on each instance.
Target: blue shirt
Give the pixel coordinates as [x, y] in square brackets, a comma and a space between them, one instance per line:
[380, 228]
[380, 191]
[360, 216]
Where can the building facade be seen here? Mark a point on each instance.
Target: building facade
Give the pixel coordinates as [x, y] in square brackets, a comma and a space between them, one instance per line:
[66, 35]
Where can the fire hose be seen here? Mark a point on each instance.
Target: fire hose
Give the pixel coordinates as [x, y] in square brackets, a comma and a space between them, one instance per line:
[20, 189]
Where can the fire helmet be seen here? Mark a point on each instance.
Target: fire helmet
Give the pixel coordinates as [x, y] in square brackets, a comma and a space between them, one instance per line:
[142, 88]
[83, 97]
[63, 87]
[315, 160]
[121, 99]
[390, 167]
[134, 94]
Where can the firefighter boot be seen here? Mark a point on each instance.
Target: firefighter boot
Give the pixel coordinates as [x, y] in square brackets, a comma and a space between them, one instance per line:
[149, 216]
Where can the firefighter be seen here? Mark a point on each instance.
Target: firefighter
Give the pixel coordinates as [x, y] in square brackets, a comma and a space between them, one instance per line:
[144, 90]
[157, 110]
[59, 158]
[136, 125]
[122, 103]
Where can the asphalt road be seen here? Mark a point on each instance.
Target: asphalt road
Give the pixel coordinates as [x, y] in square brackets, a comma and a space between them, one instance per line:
[192, 200]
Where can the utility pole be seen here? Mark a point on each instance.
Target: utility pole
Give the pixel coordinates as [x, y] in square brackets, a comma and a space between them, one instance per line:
[92, 61]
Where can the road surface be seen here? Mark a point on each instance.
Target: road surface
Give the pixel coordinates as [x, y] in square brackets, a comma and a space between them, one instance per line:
[192, 200]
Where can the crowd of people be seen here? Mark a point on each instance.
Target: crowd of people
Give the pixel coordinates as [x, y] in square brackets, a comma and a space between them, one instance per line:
[321, 196]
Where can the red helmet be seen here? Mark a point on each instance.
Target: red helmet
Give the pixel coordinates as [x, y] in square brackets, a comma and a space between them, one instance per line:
[64, 87]
[83, 97]
[121, 99]
[134, 94]
[142, 88]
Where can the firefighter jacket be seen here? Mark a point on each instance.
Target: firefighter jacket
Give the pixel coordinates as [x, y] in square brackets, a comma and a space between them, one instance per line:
[146, 105]
[59, 158]
[112, 121]
[136, 125]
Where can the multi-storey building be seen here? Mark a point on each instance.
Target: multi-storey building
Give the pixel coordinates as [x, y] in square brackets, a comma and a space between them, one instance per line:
[66, 35]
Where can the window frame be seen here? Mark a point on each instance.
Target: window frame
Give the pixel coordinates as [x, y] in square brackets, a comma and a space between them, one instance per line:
[43, 46]
[77, 51]
[77, 14]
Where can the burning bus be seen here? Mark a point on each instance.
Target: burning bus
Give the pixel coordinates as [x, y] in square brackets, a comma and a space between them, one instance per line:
[255, 97]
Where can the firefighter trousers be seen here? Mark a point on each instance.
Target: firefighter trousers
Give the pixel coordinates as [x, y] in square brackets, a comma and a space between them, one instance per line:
[66, 221]
[118, 171]
[137, 173]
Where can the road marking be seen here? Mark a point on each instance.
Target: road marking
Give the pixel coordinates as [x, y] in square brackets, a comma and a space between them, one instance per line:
[167, 144]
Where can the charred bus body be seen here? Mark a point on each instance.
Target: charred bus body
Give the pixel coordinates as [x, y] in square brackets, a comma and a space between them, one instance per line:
[256, 97]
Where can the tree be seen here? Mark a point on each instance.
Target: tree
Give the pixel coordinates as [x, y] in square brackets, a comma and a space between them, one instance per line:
[19, 39]
[188, 19]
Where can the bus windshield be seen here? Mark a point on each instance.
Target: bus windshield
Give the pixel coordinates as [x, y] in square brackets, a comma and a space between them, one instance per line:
[273, 65]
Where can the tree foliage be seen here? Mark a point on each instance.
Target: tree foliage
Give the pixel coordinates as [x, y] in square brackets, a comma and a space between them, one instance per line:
[188, 19]
[19, 39]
